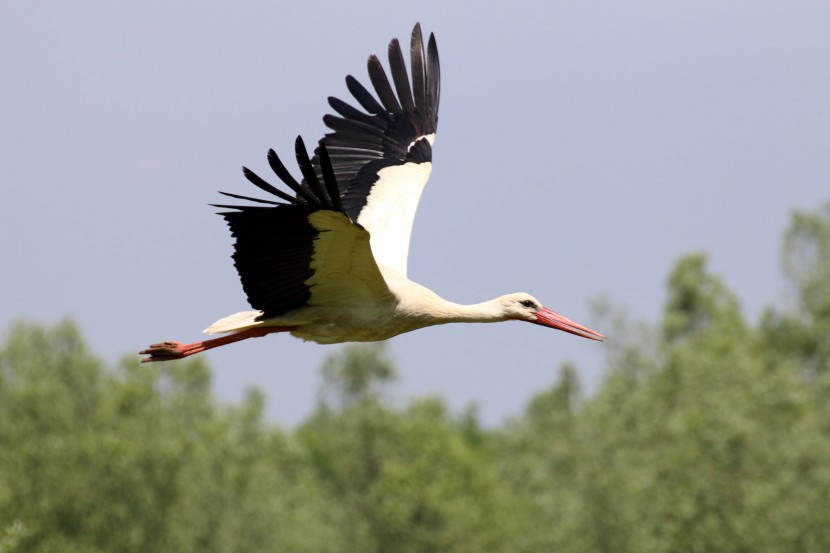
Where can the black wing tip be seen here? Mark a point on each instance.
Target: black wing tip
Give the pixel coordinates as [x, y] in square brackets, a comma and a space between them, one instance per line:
[308, 194]
[329, 120]
[416, 29]
[329, 177]
[310, 179]
[432, 43]
[299, 144]
[256, 180]
[273, 158]
[302, 197]
[250, 199]
[363, 96]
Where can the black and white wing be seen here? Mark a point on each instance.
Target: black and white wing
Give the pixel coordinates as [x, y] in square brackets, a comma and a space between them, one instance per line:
[352, 212]
[304, 249]
[382, 159]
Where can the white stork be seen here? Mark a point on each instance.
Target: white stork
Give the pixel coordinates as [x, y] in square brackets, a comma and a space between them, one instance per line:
[328, 263]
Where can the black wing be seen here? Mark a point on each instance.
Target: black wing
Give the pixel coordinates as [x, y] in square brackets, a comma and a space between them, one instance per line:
[274, 252]
[393, 130]
[275, 242]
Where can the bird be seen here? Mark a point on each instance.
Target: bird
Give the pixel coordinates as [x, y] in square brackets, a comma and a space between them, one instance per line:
[327, 262]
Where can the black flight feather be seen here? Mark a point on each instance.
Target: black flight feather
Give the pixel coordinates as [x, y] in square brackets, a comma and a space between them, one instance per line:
[274, 244]
[264, 185]
[364, 97]
[281, 194]
[398, 68]
[416, 51]
[272, 255]
[277, 166]
[329, 179]
[433, 81]
[350, 112]
[382, 86]
[308, 173]
[359, 127]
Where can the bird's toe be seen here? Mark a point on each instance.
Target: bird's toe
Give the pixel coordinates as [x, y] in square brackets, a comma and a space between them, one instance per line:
[163, 351]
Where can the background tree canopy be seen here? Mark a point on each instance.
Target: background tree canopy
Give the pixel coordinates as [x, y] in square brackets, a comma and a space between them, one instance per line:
[709, 433]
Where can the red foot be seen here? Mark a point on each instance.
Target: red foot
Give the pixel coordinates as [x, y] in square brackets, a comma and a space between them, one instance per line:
[168, 351]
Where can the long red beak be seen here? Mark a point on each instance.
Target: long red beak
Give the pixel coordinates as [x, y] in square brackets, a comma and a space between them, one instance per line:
[546, 317]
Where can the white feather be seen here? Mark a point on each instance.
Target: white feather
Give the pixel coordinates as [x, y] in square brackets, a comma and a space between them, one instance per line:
[345, 274]
[390, 211]
[237, 321]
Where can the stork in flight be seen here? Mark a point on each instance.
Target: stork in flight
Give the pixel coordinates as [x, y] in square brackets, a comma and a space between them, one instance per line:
[328, 263]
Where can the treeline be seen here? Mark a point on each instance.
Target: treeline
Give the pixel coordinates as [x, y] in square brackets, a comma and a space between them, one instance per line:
[708, 434]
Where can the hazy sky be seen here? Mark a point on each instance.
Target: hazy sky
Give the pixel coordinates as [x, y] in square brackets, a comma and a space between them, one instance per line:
[582, 147]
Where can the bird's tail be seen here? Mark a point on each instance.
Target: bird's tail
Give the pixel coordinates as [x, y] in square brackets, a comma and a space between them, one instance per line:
[237, 321]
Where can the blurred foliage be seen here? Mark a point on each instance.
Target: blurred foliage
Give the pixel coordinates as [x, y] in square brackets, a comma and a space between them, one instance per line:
[707, 434]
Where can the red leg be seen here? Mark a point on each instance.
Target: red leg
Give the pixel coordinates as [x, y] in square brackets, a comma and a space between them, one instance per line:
[167, 351]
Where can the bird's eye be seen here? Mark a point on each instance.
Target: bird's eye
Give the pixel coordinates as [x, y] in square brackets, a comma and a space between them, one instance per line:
[528, 303]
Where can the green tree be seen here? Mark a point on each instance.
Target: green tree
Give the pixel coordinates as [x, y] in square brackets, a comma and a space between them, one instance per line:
[695, 445]
[140, 459]
[801, 334]
[410, 480]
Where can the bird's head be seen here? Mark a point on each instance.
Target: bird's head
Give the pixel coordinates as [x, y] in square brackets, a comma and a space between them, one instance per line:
[524, 307]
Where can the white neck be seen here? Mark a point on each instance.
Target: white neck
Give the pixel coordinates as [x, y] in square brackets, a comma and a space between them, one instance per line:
[484, 312]
[419, 303]
[436, 310]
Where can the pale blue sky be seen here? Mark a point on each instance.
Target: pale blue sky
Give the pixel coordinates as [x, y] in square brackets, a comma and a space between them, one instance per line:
[582, 147]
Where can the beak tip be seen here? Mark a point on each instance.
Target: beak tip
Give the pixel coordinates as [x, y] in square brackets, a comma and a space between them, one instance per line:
[549, 318]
